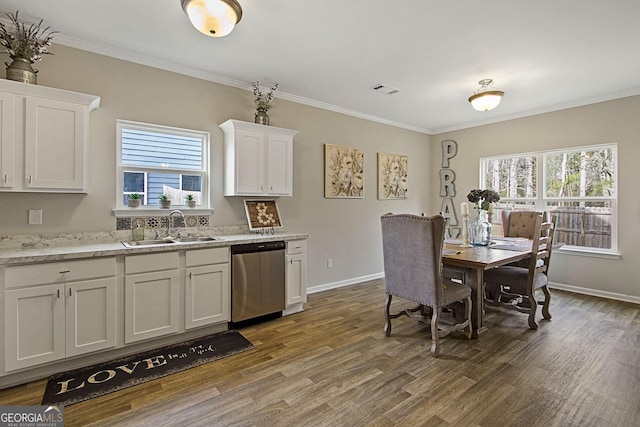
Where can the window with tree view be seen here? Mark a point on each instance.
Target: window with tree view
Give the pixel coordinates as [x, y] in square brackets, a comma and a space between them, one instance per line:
[156, 160]
[578, 185]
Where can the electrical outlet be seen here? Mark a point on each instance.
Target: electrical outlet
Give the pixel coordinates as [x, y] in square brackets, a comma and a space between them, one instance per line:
[35, 216]
[329, 262]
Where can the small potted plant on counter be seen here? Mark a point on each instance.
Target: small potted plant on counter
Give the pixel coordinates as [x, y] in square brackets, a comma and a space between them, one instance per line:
[134, 200]
[191, 201]
[165, 201]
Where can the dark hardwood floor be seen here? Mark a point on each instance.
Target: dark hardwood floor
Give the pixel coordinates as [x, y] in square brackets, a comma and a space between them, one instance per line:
[332, 365]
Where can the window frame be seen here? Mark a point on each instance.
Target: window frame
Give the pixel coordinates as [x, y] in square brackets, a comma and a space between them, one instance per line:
[122, 209]
[541, 201]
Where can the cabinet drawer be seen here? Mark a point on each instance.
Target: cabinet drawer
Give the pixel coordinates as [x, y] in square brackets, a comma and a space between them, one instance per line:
[296, 247]
[207, 256]
[57, 272]
[151, 262]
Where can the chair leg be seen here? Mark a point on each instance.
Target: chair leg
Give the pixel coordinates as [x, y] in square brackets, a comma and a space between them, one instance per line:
[387, 316]
[532, 311]
[467, 307]
[545, 305]
[435, 336]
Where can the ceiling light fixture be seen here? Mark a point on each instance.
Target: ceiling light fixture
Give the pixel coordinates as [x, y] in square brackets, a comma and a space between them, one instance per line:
[485, 99]
[215, 18]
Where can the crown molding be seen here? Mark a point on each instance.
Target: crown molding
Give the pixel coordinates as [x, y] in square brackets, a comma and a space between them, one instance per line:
[166, 65]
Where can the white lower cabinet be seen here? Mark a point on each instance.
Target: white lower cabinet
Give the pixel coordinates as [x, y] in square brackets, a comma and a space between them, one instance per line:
[151, 296]
[296, 273]
[207, 290]
[63, 309]
[47, 322]
[90, 316]
[34, 326]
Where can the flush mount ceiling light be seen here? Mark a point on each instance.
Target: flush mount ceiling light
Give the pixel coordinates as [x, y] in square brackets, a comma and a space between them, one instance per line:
[215, 18]
[486, 99]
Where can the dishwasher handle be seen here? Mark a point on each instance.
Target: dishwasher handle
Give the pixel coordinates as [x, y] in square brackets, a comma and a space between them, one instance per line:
[257, 247]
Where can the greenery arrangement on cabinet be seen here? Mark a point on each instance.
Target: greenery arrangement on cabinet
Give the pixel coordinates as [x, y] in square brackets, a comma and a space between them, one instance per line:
[25, 46]
[263, 102]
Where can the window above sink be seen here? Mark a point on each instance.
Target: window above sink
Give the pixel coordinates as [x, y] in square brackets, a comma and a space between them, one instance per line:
[155, 160]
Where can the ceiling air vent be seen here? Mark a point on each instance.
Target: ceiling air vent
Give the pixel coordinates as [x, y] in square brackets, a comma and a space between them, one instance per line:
[384, 89]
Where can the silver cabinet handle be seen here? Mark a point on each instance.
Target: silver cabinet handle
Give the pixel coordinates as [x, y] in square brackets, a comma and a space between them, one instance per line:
[6, 178]
[30, 179]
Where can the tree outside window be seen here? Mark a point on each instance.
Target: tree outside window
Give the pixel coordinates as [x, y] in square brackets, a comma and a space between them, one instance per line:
[578, 185]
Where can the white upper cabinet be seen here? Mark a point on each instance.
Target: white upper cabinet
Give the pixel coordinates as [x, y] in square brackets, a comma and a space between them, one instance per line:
[258, 159]
[44, 138]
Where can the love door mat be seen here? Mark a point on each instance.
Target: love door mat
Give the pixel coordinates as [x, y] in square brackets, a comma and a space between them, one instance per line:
[67, 388]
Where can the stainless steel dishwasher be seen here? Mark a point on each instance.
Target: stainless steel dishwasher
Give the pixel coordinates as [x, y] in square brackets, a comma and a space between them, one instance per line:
[257, 281]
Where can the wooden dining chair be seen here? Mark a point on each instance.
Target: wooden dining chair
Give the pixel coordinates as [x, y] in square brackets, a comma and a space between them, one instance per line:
[515, 287]
[516, 223]
[412, 252]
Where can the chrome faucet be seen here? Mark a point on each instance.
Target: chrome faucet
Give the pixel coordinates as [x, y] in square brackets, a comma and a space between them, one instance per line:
[170, 220]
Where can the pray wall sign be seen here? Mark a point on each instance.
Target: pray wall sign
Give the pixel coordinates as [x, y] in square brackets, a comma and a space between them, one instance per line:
[448, 188]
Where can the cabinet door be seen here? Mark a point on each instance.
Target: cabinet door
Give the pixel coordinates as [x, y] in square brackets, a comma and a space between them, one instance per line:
[54, 144]
[7, 106]
[279, 164]
[207, 298]
[34, 326]
[296, 278]
[249, 167]
[151, 305]
[90, 312]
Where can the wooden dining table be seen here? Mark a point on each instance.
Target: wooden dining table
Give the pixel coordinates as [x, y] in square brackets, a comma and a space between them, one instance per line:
[469, 264]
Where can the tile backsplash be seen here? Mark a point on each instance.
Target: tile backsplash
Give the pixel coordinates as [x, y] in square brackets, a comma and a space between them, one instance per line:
[155, 222]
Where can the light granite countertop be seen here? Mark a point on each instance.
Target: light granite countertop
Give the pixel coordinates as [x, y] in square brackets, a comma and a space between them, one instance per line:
[102, 248]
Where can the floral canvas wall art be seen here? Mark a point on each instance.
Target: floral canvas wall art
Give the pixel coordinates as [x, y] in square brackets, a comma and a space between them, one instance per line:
[343, 172]
[392, 176]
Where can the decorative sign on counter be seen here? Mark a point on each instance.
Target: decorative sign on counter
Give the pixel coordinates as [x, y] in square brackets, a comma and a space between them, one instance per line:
[262, 214]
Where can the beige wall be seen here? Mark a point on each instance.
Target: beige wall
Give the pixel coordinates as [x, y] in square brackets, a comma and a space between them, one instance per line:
[613, 121]
[345, 230]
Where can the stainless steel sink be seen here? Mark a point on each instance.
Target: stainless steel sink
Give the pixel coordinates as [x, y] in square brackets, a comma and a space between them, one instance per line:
[138, 243]
[156, 242]
[195, 239]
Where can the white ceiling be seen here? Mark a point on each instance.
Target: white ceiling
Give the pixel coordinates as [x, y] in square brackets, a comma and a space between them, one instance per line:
[545, 54]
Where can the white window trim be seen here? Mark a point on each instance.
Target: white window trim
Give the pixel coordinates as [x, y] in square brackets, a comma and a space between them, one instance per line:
[120, 210]
[540, 200]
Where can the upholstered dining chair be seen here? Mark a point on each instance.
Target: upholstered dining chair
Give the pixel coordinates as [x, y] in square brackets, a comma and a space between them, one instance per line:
[412, 251]
[518, 223]
[515, 287]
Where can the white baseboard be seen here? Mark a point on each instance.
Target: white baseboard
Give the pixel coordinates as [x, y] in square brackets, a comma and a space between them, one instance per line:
[595, 292]
[340, 284]
[552, 285]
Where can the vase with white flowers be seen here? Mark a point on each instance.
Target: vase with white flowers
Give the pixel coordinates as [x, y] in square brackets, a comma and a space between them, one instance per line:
[25, 45]
[263, 102]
